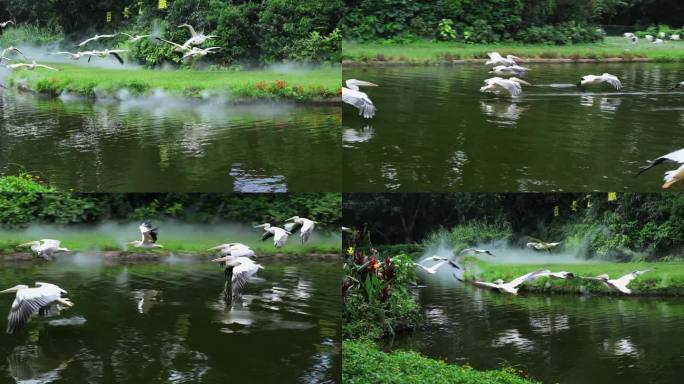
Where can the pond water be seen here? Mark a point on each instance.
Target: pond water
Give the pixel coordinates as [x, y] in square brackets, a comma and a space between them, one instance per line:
[567, 339]
[168, 323]
[161, 144]
[434, 130]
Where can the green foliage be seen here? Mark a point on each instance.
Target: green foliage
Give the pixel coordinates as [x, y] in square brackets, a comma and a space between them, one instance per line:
[655, 30]
[377, 298]
[30, 34]
[561, 34]
[445, 30]
[468, 234]
[24, 182]
[364, 363]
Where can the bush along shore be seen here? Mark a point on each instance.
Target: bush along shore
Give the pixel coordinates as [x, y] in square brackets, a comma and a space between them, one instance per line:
[317, 85]
[612, 49]
[663, 278]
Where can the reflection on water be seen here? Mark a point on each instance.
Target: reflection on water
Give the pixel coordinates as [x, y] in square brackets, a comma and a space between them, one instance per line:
[553, 137]
[160, 143]
[566, 339]
[170, 323]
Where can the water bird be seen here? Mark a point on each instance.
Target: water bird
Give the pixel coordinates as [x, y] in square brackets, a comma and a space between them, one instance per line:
[512, 70]
[511, 287]
[675, 37]
[234, 250]
[305, 226]
[45, 248]
[31, 66]
[619, 284]
[8, 50]
[658, 41]
[278, 234]
[476, 251]
[199, 52]
[539, 245]
[360, 100]
[31, 301]
[237, 271]
[648, 38]
[177, 47]
[107, 52]
[76, 55]
[598, 79]
[628, 35]
[555, 275]
[499, 85]
[433, 269]
[134, 38]
[149, 237]
[4, 24]
[450, 260]
[495, 58]
[95, 38]
[673, 176]
[198, 38]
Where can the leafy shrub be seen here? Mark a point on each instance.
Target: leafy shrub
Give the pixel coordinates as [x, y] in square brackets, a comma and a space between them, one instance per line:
[561, 34]
[445, 30]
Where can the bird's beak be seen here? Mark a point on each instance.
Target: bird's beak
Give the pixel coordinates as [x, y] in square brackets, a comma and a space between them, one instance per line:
[25, 245]
[214, 248]
[290, 219]
[10, 290]
[260, 226]
[220, 260]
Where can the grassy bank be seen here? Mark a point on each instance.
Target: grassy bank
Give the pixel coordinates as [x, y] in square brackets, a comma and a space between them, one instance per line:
[363, 363]
[422, 52]
[665, 278]
[320, 84]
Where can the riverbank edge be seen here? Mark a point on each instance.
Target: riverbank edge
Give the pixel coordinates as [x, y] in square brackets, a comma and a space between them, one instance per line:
[151, 256]
[365, 363]
[419, 62]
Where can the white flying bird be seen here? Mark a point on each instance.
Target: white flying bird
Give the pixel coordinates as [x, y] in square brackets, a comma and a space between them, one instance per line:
[304, 225]
[4, 24]
[76, 55]
[177, 47]
[555, 275]
[511, 287]
[107, 52]
[451, 261]
[512, 70]
[239, 269]
[45, 248]
[353, 96]
[495, 59]
[8, 50]
[30, 66]
[433, 269]
[673, 176]
[234, 250]
[499, 85]
[134, 38]
[197, 38]
[95, 38]
[279, 235]
[199, 52]
[476, 251]
[31, 301]
[539, 245]
[619, 284]
[604, 78]
[149, 237]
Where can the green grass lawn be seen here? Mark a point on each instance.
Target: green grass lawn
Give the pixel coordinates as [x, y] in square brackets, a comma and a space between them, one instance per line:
[173, 240]
[363, 363]
[322, 83]
[665, 278]
[432, 52]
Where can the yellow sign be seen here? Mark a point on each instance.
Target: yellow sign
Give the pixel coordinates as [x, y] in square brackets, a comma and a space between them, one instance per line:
[109, 16]
[126, 12]
[574, 206]
[556, 210]
[162, 4]
[612, 196]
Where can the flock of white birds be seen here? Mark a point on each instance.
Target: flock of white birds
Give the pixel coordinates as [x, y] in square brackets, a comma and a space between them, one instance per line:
[650, 38]
[236, 258]
[190, 48]
[512, 287]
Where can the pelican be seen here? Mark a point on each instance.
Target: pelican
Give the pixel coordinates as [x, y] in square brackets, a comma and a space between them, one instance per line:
[177, 47]
[199, 52]
[237, 270]
[76, 55]
[539, 245]
[675, 37]
[135, 38]
[197, 38]
[476, 251]
[628, 35]
[95, 38]
[4, 24]
[658, 41]
[31, 66]
[3, 55]
[619, 284]
[107, 52]
[512, 286]
[353, 96]
[279, 235]
[29, 301]
[673, 176]
[604, 78]
[45, 248]
[432, 270]
[234, 250]
[495, 58]
[149, 237]
[512, 70]
[305, 226]
[449, 260]
[555, 275]
[648, 38]
[498, 85]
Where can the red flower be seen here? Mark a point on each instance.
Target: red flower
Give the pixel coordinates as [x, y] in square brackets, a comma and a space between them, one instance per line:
[388, 269]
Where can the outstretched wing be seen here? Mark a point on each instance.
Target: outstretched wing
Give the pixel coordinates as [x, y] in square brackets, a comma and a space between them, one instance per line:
[526, 277]
[266, 235]
[241, 274]
[359, 100]
[676, 157]
[117, 57]
[626, 279]
[291, 227]
[485, 284]
[27, 303]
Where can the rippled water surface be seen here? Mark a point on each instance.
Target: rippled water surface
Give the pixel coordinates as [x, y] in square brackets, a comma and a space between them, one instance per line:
[434, 130]
[168, 323]
[564, 339]
[159, 143]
